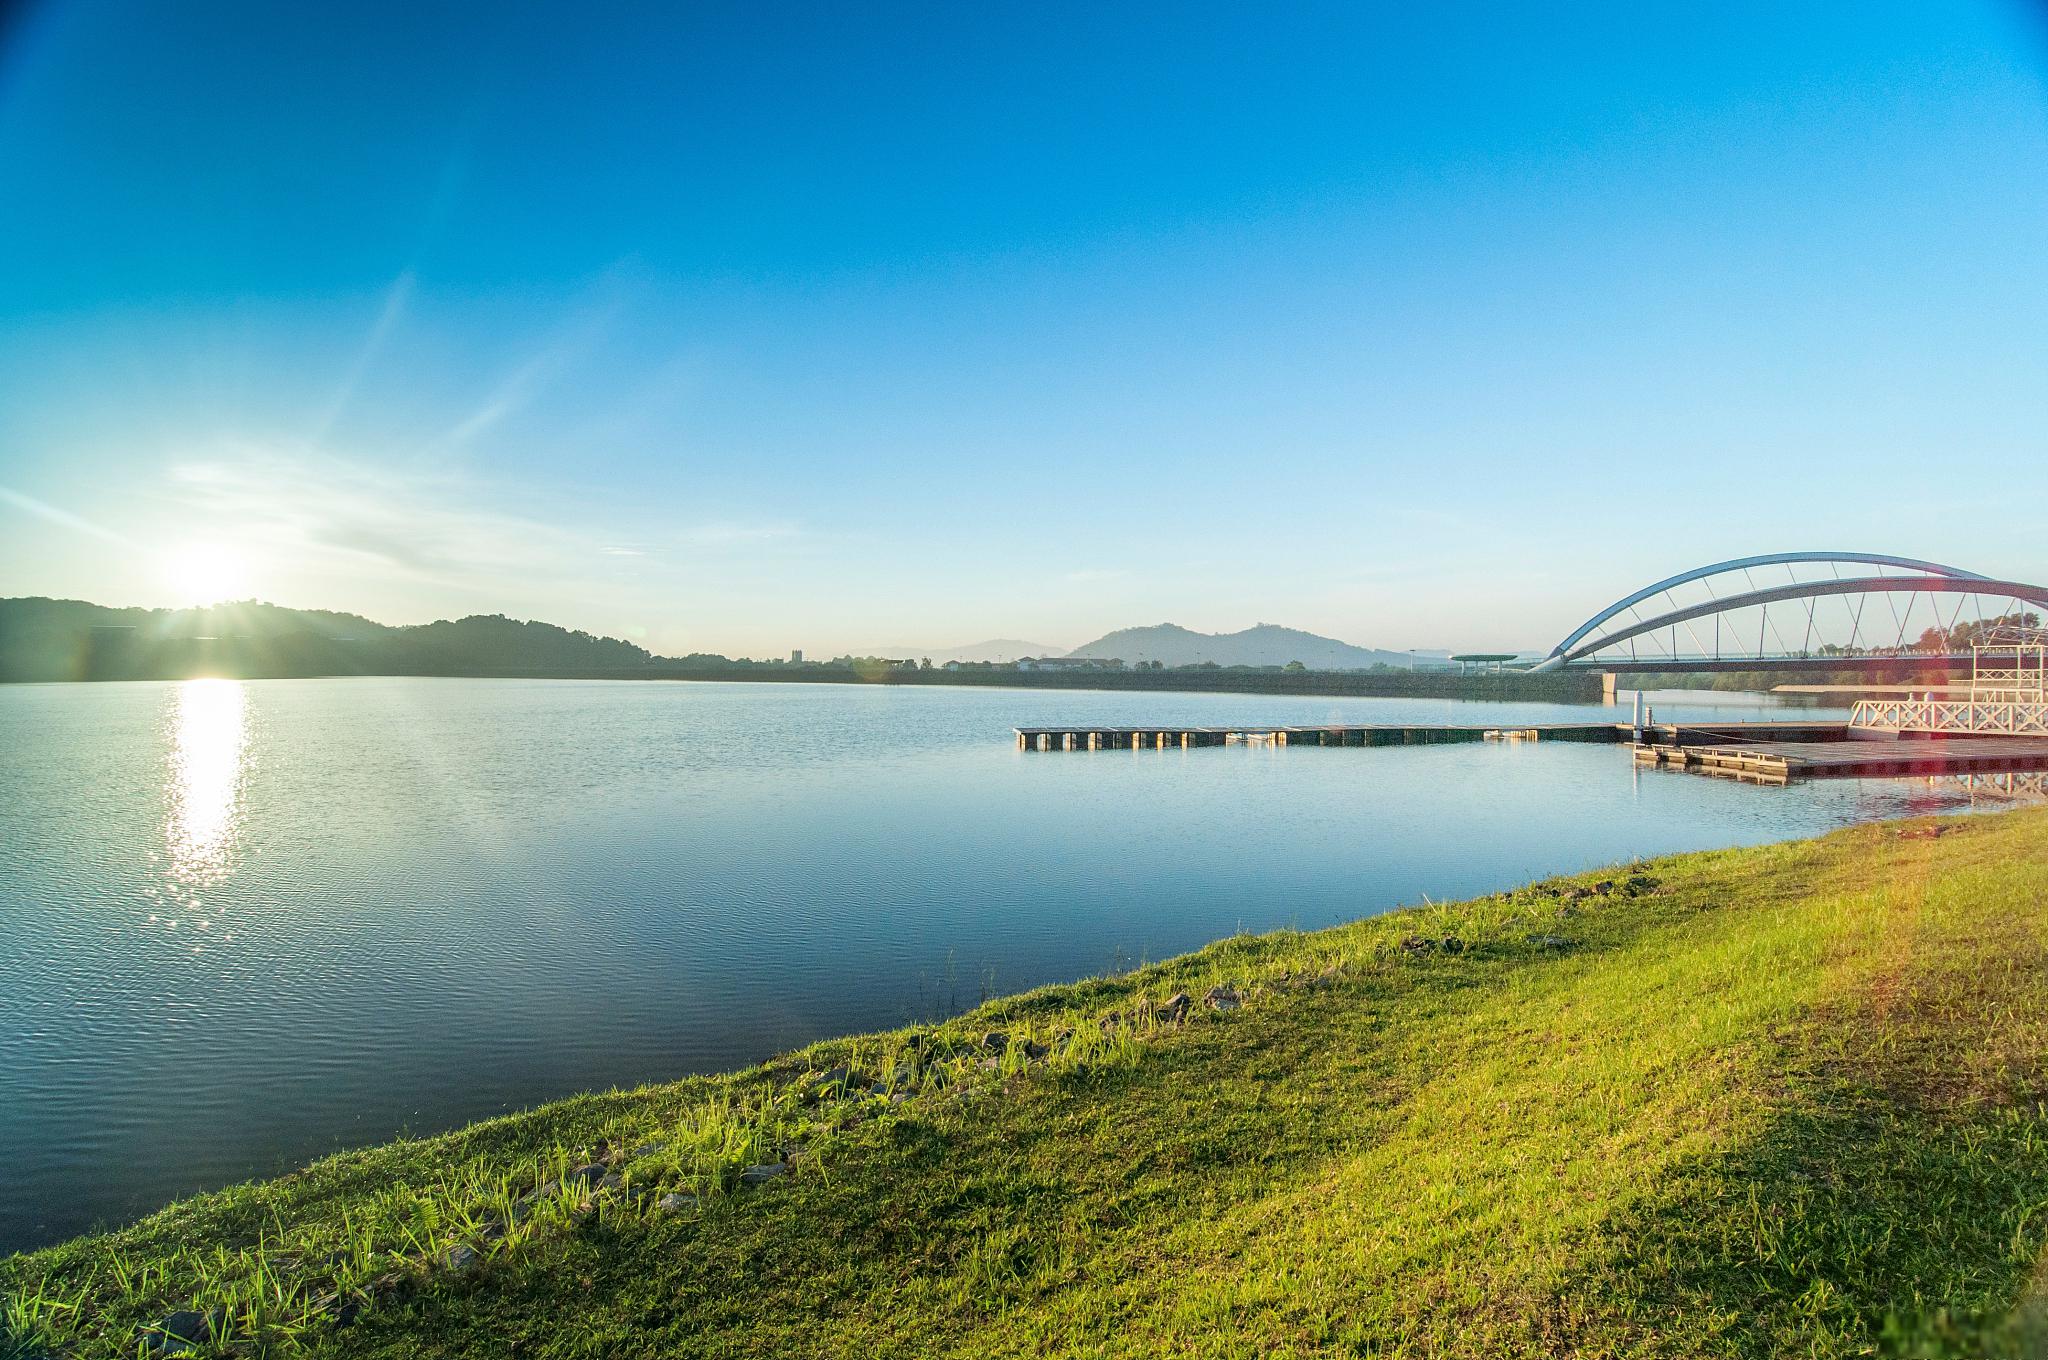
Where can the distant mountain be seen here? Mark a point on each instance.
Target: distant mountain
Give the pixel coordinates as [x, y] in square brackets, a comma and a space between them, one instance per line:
[995, 649]
[1265, 645]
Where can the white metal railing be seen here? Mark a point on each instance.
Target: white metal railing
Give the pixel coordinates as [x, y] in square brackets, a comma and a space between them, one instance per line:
[2004, 700]
[1989, 714]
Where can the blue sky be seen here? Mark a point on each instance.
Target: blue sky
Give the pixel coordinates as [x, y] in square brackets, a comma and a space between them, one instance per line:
[751, 327]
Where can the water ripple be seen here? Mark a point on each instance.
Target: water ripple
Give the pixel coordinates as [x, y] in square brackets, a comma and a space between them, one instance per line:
[246, 923]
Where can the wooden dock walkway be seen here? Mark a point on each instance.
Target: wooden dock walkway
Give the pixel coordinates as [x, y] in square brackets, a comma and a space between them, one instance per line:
[1760, 752]
[1164, 737]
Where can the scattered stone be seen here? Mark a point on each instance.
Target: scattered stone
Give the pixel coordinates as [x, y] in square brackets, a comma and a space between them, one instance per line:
[1222, 997]
[990, 1064]
[180, 1332]
[995, 1041]
[463, 1257]
[342, 1309]
[645, 1150]
[764, 1173]
[675, 1201]
[1550, 941]
[1924, 833]
[1417, 944]
[1603, 887]
[610, 1183]
[588, 1172]
[1452, 945]
[1035, 1051]
[899, 1097]
[827, 1085]
[1638, 884]
[1574, 894]
[1176, 1008]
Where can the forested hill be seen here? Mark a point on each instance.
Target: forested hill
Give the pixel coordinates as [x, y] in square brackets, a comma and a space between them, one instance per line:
[42, 639]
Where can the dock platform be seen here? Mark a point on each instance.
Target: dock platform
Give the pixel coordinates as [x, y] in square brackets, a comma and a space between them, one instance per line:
[1758, 752]
[1374, 734]
[1780, 762]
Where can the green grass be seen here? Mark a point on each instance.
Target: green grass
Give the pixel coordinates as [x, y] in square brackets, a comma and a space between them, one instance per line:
[1782, 1102]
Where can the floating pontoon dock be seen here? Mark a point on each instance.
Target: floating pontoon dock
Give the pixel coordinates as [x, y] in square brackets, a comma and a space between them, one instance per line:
[1760, 752]
[1780, 762]
[1164, 737]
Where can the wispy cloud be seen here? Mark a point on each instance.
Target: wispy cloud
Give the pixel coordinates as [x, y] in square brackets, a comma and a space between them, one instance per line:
[45, 511]
[316, 510]
[726, 534]
[583, 331]
[320, 513]
[396, 298]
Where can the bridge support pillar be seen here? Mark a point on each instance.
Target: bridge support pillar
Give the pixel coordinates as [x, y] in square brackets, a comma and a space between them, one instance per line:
[1607, 694]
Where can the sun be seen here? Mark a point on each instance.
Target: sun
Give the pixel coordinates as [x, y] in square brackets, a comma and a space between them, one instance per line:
[205, 573]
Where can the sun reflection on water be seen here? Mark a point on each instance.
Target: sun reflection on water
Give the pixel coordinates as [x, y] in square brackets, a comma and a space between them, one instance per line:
[209, 723]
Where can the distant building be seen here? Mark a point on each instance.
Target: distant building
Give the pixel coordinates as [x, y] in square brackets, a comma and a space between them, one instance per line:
[1069, 663]
[796, 656]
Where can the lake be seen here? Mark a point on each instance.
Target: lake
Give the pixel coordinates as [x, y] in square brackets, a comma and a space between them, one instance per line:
[243, 924]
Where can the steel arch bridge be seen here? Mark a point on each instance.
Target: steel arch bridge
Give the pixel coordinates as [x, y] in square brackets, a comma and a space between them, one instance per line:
[1820, 618]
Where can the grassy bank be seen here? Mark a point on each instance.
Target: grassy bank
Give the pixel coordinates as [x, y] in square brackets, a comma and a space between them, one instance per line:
[1783, 1101]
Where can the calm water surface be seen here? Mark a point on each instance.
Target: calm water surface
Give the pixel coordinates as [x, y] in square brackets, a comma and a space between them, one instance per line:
[245, 924]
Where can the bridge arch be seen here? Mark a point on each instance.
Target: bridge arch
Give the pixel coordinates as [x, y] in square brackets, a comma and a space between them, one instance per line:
[1608, 628]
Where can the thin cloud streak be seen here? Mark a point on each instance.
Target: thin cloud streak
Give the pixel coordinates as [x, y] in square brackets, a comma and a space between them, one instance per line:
[45, 511]
[326, 513]
[427, 527]
[576, 338]
[396, 299]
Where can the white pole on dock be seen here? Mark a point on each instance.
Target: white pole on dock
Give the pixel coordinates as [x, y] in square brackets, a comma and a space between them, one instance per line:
[1638, 722]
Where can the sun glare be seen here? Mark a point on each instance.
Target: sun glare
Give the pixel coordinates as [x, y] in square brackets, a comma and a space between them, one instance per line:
[205, 573]
[209, 727]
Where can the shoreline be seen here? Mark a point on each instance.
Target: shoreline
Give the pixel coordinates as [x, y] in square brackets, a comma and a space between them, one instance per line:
[1568, 688]
[706, 1152]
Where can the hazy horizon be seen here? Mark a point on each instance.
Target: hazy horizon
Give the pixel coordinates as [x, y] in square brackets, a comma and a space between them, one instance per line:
[934, 650]
[1405, 328]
